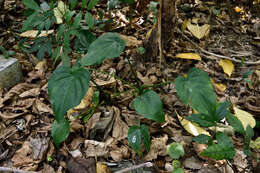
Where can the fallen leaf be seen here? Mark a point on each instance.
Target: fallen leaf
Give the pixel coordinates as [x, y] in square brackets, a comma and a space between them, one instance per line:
[33, 33]
[39, 147]
[190, 127]
[81, 165]
[227, 66]
[158, 148]
[59, 12]
[245, 117]
[194, 56]
[130, 41]
[221, 87]
[120, 128]
[255, 144]
[101, 168]
[198, 31]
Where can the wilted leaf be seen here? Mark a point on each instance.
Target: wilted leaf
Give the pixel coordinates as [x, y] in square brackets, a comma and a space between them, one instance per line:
[198, 31]
[194, 56]
[33, 33]
[60, 11]
[221, 87]
[245, 117]
[255, 144]
[191, 127]
[227, 66]
[130, 41]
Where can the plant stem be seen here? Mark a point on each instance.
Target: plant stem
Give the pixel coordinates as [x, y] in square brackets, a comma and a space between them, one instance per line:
[135, 75]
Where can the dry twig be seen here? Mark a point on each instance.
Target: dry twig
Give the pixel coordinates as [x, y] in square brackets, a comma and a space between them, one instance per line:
[147, 164]
[3, 169]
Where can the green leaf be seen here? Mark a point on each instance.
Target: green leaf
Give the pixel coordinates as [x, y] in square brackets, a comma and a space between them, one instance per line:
[128, 1]
[92, 3]
[202, 119]
[223, 150]
[224, 140]
[110, 45]
[77, 20]
[222, 110]
[112, 4]
[149, 105]
[175, 150]
[135, 138]
[60, 131]
[84, 3]
[235, 123]
[203, 139]
[248, 137]
[146, 136]
[31, 4]
[28, 23]
[89, 20]
[178, 170]
[66, 88]
[196, 90]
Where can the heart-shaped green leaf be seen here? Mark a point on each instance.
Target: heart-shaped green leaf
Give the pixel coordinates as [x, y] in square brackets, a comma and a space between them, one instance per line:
[197, 91]
[149, 105]
[60, 131]
[110, 45]
[175, 150]
[66, 88]
[203, 139]
[223, 150]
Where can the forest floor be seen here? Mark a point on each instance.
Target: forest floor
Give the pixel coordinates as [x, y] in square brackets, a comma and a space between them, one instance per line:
[101, 142]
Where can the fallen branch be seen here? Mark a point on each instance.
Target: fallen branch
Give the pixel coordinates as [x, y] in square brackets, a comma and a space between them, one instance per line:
[217, 55]
[147, 164]
[2, 169]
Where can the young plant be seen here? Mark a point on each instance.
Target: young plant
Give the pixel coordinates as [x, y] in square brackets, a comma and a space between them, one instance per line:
[175, 150]
[196, 91]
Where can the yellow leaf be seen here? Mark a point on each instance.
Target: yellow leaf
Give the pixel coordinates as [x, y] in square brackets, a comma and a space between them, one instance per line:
[33, 33]
[255, 144]
[190, 127]
[189, 56]
[198, 31]
[245, 117]
[227, 66]
[221, 87]
[101, 168]
[59, 12]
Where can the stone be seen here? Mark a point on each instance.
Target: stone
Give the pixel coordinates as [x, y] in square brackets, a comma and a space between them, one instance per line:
[10, 72]
[192, 163]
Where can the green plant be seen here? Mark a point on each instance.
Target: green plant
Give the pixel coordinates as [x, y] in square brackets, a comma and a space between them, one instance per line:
[175, 150]
[68, 85]
[196, 91]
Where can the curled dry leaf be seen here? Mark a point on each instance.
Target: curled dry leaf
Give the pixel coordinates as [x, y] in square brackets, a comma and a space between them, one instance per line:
[39, 146]
[97, 149]
[23, 156]
[120, 128]
[130, 41]
[33, 33]
[119, 153]
[158, 148]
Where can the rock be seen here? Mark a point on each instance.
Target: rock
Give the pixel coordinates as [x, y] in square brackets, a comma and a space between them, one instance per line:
[168, 167]
[192, 163]
[10, 72]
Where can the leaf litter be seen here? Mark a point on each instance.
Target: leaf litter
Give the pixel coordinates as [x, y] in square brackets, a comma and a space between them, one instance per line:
[102, 140]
